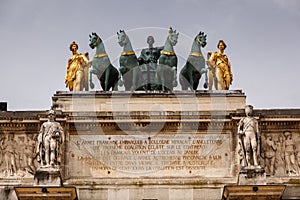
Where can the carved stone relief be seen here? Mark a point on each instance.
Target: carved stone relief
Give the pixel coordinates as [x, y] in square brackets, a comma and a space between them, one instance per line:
[281, 154]
[17, 155]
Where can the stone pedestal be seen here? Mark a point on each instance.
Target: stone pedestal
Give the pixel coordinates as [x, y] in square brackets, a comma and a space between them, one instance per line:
[252, 185]
[47, 177]
[149, 145]
[253, 192]
[252, 176]
[125, 101]
[38, 193]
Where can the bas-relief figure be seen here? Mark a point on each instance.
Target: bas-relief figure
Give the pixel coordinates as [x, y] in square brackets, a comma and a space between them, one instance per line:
[290, 154]
[30, 154]
[279, 165]
[17, 155]
[194, 68]
[220, 69]
[10, 154]
[50, 140]
[77, 70]
[148, 63]
[280, 155]
[129, 65]
[166, 73]
[107, 74]
[249, 138]
[269, 154]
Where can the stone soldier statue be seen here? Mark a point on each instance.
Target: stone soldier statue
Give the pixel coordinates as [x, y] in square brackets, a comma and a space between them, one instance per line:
[249, 138]
[50, 140]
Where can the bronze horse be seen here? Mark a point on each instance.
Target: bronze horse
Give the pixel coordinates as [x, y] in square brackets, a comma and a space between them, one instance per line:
[107, 74]
[194, 67]
[166, 73]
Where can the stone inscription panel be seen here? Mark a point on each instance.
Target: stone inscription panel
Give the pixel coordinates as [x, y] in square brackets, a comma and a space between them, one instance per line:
[149, 156]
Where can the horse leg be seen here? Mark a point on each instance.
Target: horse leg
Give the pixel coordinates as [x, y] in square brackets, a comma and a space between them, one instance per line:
[161, 78]
[134, 75]
[107, 73]
[190, 79]
[165, 83]
[182, 79]
[204, 71]
[196, 83]
[116, 79]
[120, 79]
[175, 83]
[184, 85]
[115, 86]
[157, 77]
[85, 79]
[93, 71]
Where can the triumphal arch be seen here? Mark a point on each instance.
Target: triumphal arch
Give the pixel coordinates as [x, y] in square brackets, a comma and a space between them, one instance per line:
[149, 140]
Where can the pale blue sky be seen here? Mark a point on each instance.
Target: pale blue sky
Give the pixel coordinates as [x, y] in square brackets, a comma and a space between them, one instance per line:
[262, 40]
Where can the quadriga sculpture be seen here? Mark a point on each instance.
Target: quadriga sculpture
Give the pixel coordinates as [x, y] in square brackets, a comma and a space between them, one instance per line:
[166, 73]
[129, 65]
[107, 74]
[194, 67]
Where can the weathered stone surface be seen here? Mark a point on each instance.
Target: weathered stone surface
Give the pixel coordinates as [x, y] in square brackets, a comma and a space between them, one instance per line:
[92, 119]
[252, 192]
[47, 177]
[252, 176]
[45, 192]
[172, 155]
[149, 101]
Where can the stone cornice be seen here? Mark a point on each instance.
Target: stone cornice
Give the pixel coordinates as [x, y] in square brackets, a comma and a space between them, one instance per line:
[150, 94]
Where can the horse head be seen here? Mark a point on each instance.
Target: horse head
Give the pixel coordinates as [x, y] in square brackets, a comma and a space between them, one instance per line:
[94, 40]
[173, 36]
[201, 39]
[122, 38]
